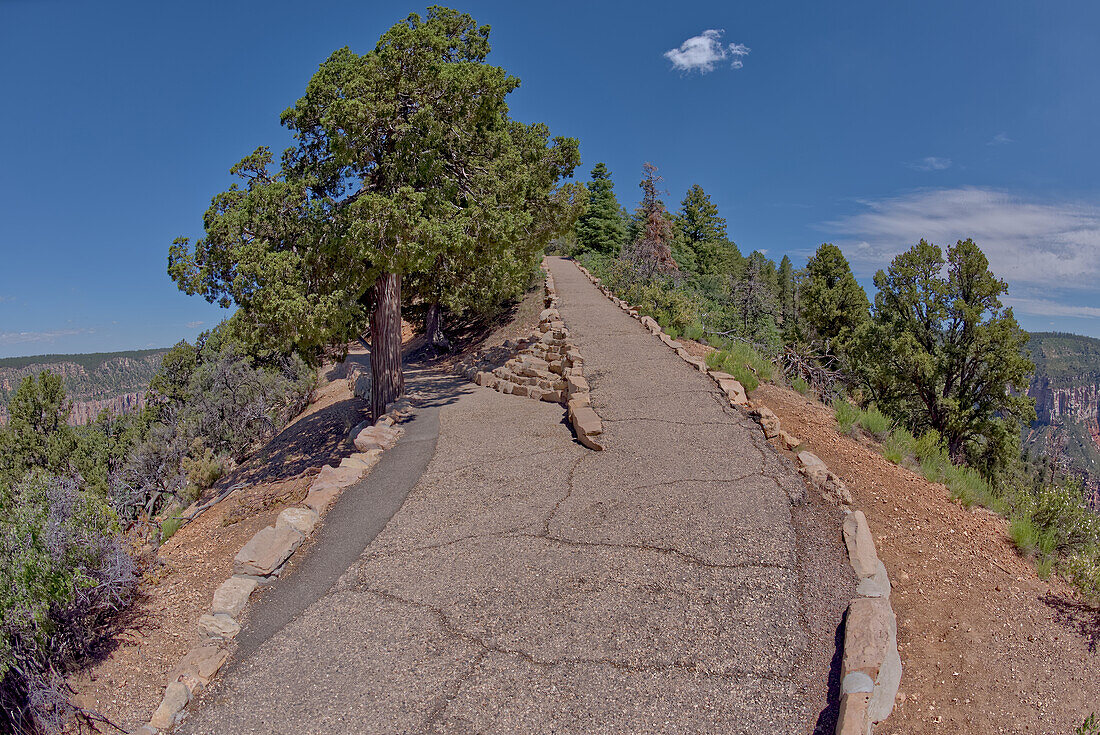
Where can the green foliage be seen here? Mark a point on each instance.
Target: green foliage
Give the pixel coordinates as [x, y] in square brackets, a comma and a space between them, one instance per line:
[38, 435]
[846, 415]
[169, 527]
[832, 303]
[601, 228]
[406, 164]
[701, 234]
[1022, 531]
[742, 362]
[800, 385]
[694, 331]
[1091, 726]
[943, 352]
[62, 571]
[875, 423]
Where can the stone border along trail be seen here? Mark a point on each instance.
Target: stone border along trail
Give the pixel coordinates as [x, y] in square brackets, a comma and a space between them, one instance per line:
[529, 584]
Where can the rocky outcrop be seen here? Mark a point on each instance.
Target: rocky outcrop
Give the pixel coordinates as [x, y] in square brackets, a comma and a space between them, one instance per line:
[1066, 400]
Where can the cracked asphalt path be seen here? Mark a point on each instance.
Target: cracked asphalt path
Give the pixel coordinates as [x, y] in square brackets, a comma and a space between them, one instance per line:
[530, 585]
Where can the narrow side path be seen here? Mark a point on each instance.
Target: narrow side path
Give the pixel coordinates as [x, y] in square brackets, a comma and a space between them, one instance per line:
[530, 585]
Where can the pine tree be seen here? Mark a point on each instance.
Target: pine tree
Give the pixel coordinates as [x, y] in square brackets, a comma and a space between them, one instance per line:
[651, 254]
[703, 234]
[786, 292]
[832, 304]
[601, 228]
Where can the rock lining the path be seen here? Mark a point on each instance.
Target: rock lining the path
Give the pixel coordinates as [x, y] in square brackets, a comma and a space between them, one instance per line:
[263, 558]
[544, 366]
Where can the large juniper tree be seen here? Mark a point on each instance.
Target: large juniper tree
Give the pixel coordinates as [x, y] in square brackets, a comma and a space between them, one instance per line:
[945, 353]
[406, 167]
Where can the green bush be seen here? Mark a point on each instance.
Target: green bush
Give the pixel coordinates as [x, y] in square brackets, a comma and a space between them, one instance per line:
[1023, 533]
[62, 572]
[694, 331]
[929, 446]
[900, 446]
[875, 423]
[800, 385]
[846, 415]
[169, 527]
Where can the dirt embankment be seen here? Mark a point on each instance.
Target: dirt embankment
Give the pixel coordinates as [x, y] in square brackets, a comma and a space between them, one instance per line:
[987, 646]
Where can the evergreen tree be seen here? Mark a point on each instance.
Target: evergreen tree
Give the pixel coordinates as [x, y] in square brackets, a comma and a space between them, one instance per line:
[651, 254]
[703, 234]
[755, 300]
[832, 304]
[786, 293]
[601, 228]
[38, 435]
[945, 354]
[406, 167]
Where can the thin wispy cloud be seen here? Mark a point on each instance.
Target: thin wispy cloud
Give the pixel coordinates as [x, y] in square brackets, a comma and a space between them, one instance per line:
[931, 163]
[701, 53]
[1036, 246]
[192, 325]
[1046, 307]
[16, 338]
[4, 298]
[1000, 139]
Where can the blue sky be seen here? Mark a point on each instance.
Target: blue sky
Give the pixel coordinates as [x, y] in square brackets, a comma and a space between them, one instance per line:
[868, 125]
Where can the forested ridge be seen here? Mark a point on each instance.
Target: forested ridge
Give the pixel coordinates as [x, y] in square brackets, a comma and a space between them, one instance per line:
[91, 376]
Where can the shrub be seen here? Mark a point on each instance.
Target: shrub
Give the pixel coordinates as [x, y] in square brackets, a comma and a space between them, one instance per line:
[62, 573]
[169, 527]
[203, 470]
[929, 445]
[800, 385]
[694, 331]
[875, 423]
[1023, 533]
[846, 415]
[900, 446]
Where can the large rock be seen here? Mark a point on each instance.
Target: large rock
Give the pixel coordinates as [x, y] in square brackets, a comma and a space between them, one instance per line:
[200, 665]
[341, 476]
[231, 596]
[384, 437]
[861, 547]
[768, 421]
[302, 520]
[320, 497]
[220, 627]
[176, 696]
[587, 426]
[813, 467]
[576, 384]
[267, 551]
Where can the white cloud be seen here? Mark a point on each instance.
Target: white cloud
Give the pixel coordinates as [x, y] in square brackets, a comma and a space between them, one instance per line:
[15, 338]
[1030, 244]
[700, 53]
[931, 163]
[1000, 139]
[192, 325]
[1046, 307]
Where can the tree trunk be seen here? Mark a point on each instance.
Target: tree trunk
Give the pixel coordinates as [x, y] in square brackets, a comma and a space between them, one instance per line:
[433, 328]
[387, 380]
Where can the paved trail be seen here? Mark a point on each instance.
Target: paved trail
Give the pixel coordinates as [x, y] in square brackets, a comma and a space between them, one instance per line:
[529, 585]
